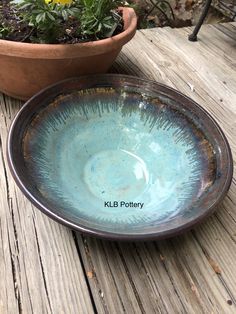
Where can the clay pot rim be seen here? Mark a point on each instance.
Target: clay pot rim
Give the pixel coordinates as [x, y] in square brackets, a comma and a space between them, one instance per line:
[64, 51]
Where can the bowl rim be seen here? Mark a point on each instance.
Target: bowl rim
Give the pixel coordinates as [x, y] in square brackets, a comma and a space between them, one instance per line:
[107, 234]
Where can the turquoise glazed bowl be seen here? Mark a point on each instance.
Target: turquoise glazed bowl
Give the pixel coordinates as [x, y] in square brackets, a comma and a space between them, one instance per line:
[119, 157]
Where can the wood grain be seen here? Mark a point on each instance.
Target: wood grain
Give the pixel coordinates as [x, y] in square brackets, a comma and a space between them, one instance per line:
[46, 268]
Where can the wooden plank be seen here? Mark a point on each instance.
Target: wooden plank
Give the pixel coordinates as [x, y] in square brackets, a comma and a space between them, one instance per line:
[40, 264]
[9, 298]
[125, 284]
[173, 276]
[112, 290]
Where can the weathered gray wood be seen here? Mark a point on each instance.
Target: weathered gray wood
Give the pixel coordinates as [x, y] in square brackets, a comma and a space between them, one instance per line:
[45, 268]
[40, 269]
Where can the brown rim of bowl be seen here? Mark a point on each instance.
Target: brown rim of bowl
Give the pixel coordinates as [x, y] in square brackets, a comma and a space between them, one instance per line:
[225, 185]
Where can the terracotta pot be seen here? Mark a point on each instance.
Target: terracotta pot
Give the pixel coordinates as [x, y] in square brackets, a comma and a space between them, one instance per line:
[27, 68]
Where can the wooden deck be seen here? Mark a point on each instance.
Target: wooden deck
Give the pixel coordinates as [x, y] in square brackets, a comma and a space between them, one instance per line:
[47, 268]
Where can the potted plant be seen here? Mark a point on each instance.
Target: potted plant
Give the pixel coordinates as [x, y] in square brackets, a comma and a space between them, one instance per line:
[44, 41]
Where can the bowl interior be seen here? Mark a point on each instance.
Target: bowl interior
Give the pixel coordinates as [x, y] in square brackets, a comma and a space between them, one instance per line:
[123, 159]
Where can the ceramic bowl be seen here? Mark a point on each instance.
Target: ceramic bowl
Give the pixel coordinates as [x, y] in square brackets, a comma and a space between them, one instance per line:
[119, 157]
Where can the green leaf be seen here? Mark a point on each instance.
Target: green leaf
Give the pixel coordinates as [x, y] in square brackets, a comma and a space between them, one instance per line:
[50, 16]
[39, 18]
[65, 15]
